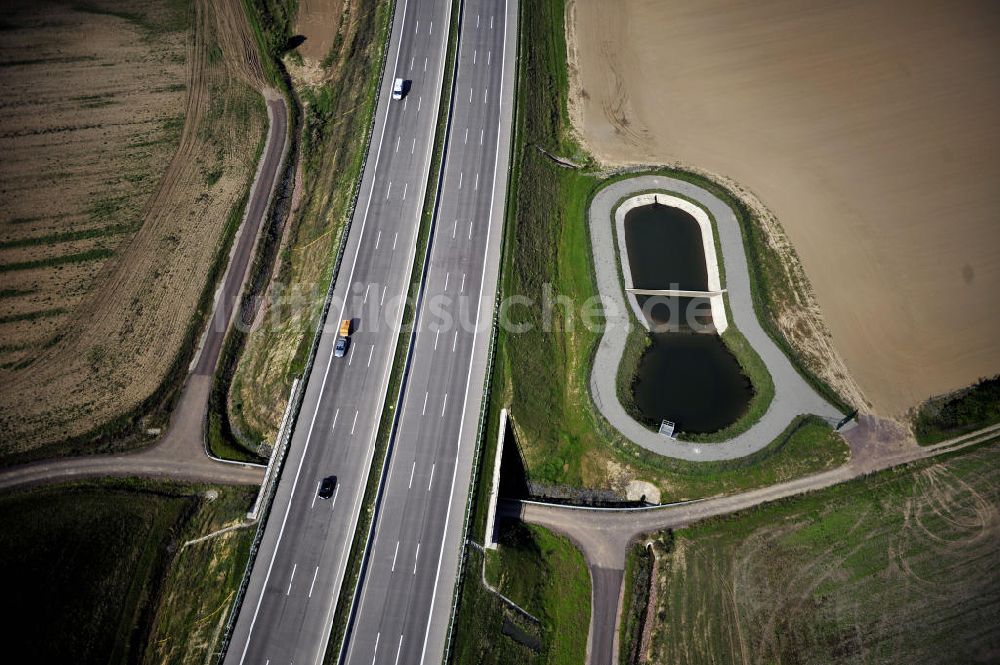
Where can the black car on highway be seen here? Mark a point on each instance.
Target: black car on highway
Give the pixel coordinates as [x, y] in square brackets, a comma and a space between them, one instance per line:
[327, 487]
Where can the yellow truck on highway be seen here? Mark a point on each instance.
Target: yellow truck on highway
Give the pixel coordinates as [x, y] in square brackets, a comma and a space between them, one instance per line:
[340, 347]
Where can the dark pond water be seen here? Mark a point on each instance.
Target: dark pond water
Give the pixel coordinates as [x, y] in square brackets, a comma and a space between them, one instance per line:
[693, 380]
[664, 249]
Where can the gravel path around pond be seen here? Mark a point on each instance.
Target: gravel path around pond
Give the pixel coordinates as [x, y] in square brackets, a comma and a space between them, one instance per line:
[792, 395]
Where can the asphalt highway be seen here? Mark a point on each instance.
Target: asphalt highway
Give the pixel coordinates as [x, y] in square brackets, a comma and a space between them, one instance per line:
[407, 587]
[287, 612]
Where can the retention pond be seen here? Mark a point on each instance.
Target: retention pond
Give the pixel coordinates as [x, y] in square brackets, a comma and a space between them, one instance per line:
[688, 377]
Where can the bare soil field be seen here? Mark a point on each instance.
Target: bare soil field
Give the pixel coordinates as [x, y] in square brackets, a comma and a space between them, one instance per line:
[130, 132]
[897, 567]
[320, 21]
[91, 116]
[868, 129]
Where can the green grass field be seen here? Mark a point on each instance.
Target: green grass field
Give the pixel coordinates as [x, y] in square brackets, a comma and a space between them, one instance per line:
[898, 567]
[958, 413]
[546, 576]
[97, 575]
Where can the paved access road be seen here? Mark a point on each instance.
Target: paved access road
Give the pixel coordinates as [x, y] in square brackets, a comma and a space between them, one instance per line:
[406, 592]
[288, 609]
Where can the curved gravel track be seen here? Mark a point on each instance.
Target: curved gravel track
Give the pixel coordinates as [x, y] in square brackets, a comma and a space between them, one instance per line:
[792, 395]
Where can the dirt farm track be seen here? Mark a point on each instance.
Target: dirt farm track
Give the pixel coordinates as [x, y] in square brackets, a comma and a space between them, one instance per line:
[867, 128]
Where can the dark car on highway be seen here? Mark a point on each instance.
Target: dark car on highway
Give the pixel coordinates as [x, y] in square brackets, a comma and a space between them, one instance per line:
[327, 486]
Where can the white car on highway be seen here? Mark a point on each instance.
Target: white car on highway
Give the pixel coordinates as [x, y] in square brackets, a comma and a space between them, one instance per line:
[399, 88]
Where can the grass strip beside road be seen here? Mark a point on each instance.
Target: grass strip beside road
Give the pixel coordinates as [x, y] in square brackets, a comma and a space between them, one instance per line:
[104, 563]
[635, 603]
[546, 575]
[403, 347]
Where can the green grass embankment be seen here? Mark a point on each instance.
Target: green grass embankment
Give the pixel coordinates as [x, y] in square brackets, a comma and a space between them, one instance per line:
[97, 572]
[547, 577]
[958, 413]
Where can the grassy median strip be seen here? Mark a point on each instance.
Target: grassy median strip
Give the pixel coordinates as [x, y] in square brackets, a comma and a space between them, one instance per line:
[393, 393]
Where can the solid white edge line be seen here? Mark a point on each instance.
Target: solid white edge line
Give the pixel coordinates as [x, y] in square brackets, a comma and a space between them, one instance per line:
[388, 367]
[468, 381]
[326, 373]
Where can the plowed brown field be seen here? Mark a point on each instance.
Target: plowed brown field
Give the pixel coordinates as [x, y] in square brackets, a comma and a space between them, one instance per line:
[129, 131]
[869, 129]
